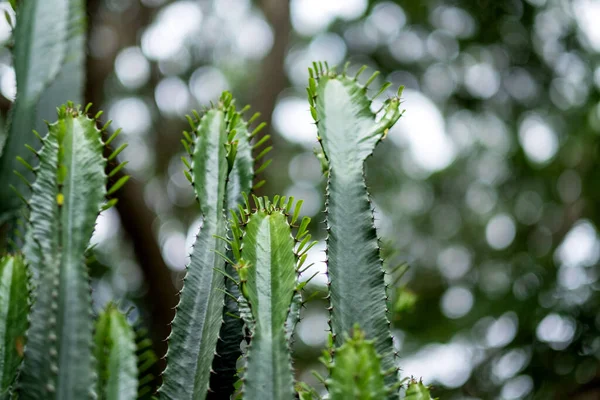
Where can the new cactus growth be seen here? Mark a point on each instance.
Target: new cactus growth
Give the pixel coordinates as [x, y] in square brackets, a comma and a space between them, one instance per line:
[116, 361]
[356, 370]
[348, 132]
[416, 390]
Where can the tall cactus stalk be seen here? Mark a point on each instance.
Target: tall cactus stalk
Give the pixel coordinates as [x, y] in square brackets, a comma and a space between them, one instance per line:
[267, 262]
[348, 133]
[218, 174]
[116, 361]
[67, 195]
[48, 57]
[14, 305]
[231, 334]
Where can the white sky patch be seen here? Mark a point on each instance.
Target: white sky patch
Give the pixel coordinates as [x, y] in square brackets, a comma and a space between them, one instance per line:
[422, 129]
[449, 364]
[502, 331]
[537, 139]
[587, 14]
[131, 114]
[500, 231]
[292, 119]
[8, 83]
[556, 330]
[254, 38]
[132, 68]
[580, 248]
[107, 225]
[207, 83]
[173, 25]
[316, 256]
[5, 29]
[456, 302]
[312, 16]
[172, 96]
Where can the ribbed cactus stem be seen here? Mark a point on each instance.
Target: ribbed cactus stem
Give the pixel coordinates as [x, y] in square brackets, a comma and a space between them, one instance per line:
[49, 54]
[66, 198]
[348, 133]
[267, 266]
[220, 167]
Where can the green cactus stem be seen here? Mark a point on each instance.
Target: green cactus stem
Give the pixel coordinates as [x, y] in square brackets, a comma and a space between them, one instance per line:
[67, 195]
[348, 132]
[115, 351]
[355, 371]
[214, 148]
[14, 306]
[49, 56]
[267, 261]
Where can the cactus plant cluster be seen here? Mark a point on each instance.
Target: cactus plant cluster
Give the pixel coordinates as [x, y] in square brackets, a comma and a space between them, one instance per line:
[242, 283]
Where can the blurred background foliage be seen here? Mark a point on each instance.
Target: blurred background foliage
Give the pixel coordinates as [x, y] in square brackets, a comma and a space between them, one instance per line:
[486, 192]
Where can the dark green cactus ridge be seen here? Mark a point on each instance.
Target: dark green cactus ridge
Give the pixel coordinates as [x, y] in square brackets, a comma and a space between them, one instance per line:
[115, 353]
[14, 306]
[355, 371]
[267, 261]
[220, 167]
[348, 132]
[67, 195]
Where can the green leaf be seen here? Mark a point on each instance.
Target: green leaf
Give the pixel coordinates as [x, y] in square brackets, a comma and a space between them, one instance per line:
[66, 198]
[14, 307]
[49, 58]
[355, 372]
[195, 329]
[349, 132]
[268, 278]
[116, 360]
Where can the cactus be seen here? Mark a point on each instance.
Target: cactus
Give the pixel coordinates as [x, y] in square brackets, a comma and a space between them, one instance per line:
[115, 352]
[14, 305]
[416, 390]
[268, 266]
[49, 52]
[348, 132]
[242, 280]
[67, 195]
[213, 150]
[355, 372]
[231, 333]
